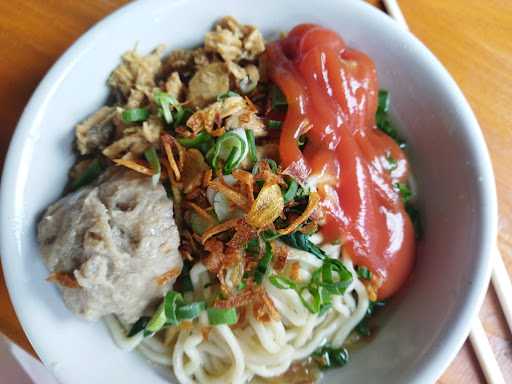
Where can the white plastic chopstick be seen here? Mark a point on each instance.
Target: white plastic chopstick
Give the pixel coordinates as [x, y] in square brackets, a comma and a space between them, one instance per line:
[502, 286]
[500, 277]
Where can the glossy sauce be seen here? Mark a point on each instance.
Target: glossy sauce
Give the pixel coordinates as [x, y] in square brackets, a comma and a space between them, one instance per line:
[332, 90]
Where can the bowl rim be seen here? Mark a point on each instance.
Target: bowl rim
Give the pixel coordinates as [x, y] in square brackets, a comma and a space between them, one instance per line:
[443, 355]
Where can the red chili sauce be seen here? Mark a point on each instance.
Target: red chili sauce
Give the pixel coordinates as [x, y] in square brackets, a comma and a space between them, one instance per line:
[334, 88]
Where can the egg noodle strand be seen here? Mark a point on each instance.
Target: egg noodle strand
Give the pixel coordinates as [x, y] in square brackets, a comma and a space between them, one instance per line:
[225, 355]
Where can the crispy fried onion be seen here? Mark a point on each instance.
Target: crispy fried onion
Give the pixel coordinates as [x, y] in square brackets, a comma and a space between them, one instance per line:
[314, 199]
[229, 192]
[222, 227]
[262, 306]
[193, 170]
[134, 165]
[168, 142]
[167, 276]
[280, 253]
[246, 180]
[64, 279]
[267, 207]
[220, 257]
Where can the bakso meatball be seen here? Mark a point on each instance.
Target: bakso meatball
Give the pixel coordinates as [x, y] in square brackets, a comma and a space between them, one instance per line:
[116, 244]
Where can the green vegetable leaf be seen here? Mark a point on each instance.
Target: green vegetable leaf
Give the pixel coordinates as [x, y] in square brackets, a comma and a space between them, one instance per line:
[301, 241]
[382, 118]
[327, 357]
[91, 173]
[290, 193]
[405, 191]
[364, 273]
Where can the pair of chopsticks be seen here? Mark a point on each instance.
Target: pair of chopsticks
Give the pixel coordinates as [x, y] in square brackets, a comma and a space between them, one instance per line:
[500, 277]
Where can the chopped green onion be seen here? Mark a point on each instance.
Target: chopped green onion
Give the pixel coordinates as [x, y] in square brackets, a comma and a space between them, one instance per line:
[218, 316]
[269, 235]
[231, 161]
[252, 145]
[190, 311]
[290, 193]
[392, 163]
[226, 95]
[363, 328]
[194, 142]
[274, 124]
[405, 191]
[278, 98]
[158, 319]
[241, 286]
[184, 282]
[282, 282]
[171, 301]
[135, 115]
[262, 267]
[139, 326]
[302, 140]
[328, 357]
[166, 101]
[364, 273]
[154, 161]
[229, 147]
[93, 170]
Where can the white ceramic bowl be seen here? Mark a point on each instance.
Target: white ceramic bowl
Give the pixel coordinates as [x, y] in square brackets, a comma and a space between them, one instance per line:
[424, 326]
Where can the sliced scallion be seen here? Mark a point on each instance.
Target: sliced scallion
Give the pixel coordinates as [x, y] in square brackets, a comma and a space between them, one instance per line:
[139, 326]
[282, 282]
[262, 267]
[171, 302]
[251, 141]
[158, 320]
[165, 102]
[153, 160]
[218, 316]
[190, 311]
[135, 115]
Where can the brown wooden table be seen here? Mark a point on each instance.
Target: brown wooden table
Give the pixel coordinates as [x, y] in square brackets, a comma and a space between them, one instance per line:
[472, 38]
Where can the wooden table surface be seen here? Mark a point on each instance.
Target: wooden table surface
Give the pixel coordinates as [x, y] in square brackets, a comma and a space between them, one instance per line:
[472, 38]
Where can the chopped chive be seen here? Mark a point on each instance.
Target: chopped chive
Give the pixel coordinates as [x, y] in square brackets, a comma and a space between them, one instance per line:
[135, 115]
[165, 102]
[218, 316]
[194, 142]
[158, 320]
[252, 145]
[154, 161]
[93, 170]
[230, 161]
